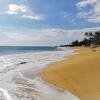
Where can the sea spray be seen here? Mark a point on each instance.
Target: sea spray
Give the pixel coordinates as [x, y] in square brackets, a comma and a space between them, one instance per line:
[5, 93]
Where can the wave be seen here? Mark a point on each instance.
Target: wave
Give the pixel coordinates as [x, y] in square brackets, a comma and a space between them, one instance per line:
[6, 95]
[19, 72]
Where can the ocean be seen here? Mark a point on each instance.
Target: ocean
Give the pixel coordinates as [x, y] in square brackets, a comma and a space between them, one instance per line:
[25, 49]
[20, 69]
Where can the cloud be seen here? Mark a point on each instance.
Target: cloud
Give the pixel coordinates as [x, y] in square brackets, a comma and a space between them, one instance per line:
[84, 3]
[89, 10]
[16, 9]
[35, 17]
[43, 36]
[23, 11]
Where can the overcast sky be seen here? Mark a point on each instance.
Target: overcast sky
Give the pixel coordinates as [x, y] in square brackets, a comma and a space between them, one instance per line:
[47, 22]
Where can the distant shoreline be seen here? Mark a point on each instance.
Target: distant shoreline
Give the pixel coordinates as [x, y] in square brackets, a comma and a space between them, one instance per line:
[79, 74]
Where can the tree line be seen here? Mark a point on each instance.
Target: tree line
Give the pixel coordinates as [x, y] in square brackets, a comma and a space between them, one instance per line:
[91, 39]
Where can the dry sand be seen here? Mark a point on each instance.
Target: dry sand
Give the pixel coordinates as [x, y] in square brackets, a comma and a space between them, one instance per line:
[79, 74]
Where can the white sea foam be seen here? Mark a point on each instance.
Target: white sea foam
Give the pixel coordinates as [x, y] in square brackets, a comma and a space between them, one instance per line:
[6, 95]
[19, 76]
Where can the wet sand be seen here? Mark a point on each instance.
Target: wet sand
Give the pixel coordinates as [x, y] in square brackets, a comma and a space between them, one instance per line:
[79, 74]
[20, 77]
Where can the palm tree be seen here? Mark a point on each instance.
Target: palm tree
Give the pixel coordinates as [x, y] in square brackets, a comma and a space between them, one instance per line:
[90, 36]
[97, 38]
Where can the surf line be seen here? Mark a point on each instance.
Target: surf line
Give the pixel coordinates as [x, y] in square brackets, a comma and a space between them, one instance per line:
[6, 95]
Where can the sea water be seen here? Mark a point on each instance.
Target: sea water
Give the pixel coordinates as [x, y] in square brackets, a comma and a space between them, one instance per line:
[20, 69]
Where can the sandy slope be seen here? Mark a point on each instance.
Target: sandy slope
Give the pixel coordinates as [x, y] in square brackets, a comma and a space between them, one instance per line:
[80, 74]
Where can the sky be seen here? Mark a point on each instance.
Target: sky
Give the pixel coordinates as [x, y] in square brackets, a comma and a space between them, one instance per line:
[47, 22]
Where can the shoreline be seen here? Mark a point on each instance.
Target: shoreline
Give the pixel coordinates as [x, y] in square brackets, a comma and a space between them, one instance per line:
[63, 59]
[72, 83]
[23, 74]
[54, 86]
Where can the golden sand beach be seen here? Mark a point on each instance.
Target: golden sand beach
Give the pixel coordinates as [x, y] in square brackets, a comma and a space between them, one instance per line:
[79, 74]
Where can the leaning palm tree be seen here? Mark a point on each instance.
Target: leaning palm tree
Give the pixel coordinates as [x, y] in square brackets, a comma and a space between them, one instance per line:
[90, 37]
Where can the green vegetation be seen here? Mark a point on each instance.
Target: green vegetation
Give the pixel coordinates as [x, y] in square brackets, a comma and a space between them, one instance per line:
[92, 39]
